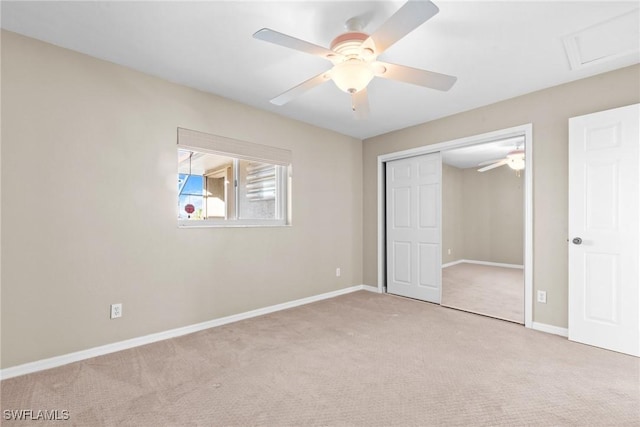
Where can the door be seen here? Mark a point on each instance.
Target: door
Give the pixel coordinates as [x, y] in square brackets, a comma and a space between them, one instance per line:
[604, 251]
[413, 227]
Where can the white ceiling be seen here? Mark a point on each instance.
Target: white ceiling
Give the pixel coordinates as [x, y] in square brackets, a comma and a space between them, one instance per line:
[498, 50]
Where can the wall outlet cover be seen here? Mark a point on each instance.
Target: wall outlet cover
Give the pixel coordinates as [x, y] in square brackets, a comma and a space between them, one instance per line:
[116, 311]
[542, 297]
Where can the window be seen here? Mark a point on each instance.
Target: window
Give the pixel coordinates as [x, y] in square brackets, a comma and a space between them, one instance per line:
[224, 182]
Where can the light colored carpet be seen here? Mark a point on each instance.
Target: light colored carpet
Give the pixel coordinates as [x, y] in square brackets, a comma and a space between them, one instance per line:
[488, 290]
[361, 359]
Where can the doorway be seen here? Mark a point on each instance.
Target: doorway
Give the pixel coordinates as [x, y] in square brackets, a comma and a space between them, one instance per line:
[523, 132]
[483, 229]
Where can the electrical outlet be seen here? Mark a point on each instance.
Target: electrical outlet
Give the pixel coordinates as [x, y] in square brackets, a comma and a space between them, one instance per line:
[116, 311]
[448, 251]
[542, 297]
[338, 272]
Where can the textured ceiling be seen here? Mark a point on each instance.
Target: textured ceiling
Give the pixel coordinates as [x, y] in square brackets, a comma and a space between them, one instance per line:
[498, 50]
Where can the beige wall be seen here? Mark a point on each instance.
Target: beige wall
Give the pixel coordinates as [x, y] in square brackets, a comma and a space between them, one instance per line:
[493, 210]
[548, 110]
[103, 228]
[482, 215]
[452, 214]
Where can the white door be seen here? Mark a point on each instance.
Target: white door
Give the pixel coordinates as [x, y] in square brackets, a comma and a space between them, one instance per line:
[413, 227]
[604, 241]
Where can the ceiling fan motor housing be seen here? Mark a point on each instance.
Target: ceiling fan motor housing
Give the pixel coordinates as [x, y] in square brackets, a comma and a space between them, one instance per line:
[350, 45]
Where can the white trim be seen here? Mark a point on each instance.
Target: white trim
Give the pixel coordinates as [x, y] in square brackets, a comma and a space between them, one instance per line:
[550, 329]
[382, 220]
[64, 359]
[525, 130]
[371, 289]
[452, 263]
[231, 223]
[528, 226]
[492, 264]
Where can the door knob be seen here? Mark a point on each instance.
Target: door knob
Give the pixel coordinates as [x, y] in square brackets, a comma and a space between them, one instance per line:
[577, 241]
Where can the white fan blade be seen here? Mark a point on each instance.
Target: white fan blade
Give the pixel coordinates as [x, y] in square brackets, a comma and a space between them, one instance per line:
[493, 166]
[360, 104]
[301, 88]
[281, 39]
[488, 162]
[406, 19]
[414, 76]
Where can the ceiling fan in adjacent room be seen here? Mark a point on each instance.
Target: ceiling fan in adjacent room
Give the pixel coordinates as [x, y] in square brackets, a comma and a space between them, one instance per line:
[515, 160]
[354, 56]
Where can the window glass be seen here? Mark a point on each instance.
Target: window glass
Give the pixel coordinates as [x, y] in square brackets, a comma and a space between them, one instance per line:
[257, 190]
[190, 197]
[223, 190]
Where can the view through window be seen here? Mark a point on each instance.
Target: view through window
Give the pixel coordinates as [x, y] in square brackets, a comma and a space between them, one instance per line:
[223, 190]
[229, 182]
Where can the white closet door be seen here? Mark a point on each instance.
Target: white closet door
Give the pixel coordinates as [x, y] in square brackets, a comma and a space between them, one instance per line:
[413, 227]
[604, 238]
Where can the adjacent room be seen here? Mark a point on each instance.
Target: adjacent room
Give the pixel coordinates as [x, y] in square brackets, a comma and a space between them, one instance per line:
[366, 213]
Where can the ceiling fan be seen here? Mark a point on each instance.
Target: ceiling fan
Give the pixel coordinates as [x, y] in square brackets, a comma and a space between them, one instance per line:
[354, 56]
[515, 160]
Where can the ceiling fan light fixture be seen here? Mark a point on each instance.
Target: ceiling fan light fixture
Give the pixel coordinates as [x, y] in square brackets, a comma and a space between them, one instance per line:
[515, 160]
[354, 55]
[352, 75]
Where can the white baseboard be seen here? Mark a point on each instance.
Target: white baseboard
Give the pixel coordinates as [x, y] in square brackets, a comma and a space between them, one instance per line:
[371, 289]
[493, 264]
[550, 329]
[64, 359]
[452, 263]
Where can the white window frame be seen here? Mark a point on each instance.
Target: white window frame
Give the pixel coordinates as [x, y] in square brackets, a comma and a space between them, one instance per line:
[241, 150]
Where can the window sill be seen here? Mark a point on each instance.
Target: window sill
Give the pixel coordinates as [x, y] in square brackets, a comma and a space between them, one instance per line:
[230, 224]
